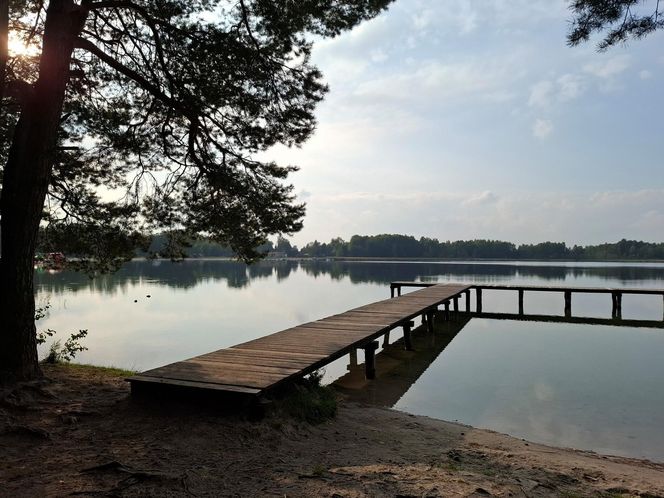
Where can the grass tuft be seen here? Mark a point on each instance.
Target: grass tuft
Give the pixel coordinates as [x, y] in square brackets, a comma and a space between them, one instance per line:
[309, 401]
[106, 371]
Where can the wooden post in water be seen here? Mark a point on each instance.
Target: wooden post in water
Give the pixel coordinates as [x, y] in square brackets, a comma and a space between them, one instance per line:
[386, 339]
[370, 359]
[568, 303]
[447, 310]
[456, 304]
[617, 305]
[430, 321]
[478, 294]
[408, 343]
[391, 291]
[353, 357]
[467, 293]
[521, 292]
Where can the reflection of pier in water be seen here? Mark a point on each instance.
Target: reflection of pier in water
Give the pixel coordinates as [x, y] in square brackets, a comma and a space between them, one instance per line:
[397, 368]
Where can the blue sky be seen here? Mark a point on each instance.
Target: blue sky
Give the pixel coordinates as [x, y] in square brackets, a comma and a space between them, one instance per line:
[473, 119]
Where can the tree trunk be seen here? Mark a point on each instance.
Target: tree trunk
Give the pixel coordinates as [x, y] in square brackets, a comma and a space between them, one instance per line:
[25, 183]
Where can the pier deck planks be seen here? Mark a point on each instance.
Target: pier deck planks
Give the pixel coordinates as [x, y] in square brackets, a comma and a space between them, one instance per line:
[261, 364]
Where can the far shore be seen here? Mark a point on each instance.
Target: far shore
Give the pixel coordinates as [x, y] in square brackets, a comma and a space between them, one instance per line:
[80, 433]
[427, 260]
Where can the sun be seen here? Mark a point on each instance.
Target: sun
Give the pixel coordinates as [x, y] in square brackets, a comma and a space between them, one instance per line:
[17, 47]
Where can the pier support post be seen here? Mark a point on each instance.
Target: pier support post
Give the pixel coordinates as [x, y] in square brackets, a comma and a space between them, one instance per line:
[408, 343]
[467, 293]
[617, 305]
[353, 358]
[370, 359]
[447, 310]
[386, 339]
[429, 316]
[478, 294]
[568, 303]
[456, 304]
[521, 292]
[391, 291]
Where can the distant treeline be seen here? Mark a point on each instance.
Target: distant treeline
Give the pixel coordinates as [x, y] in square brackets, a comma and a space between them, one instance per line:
[405, 246]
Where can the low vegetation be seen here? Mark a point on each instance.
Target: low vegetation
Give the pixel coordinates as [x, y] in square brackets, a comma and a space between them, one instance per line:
[307, 400]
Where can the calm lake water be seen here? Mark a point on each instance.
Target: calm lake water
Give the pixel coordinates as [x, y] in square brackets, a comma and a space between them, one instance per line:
[594, 387]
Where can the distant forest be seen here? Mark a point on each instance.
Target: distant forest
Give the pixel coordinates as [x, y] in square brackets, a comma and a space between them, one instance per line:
[395, 246]
[404, 246]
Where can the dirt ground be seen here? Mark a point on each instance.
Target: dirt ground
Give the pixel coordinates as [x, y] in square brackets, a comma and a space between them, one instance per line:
[79, 433]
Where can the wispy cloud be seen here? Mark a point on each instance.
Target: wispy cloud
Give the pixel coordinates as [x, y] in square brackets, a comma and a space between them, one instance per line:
[573, 218]
[542, 128]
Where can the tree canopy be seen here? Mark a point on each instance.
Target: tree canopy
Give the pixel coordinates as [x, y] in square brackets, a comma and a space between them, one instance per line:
[122, 117]
[617, 20]
[168, 104]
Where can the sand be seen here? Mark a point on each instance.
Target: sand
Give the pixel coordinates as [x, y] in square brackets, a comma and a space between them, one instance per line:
[79, 433]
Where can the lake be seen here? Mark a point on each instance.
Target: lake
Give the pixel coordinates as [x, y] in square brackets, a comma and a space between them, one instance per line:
[586, 386]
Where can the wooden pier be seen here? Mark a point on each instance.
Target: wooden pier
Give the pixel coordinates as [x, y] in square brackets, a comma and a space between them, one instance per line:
[616, 294]
[262, 364]
[259, 365]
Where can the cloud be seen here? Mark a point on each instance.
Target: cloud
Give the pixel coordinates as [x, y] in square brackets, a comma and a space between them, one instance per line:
[542, 128]
[645, 74]
[486, 197]
[567, 87]
[541, 94]
[521, 217]
[434, 82]
[609, 68]
[570, 86]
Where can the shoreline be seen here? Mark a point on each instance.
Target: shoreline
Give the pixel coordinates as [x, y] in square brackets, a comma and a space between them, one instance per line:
[377, 259]
[81, 433]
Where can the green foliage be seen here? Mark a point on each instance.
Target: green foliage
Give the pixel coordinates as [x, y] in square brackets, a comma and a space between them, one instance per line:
[94, 369]
[168, 108]
[66, 352]
[58, 352]
[310, 401]
[402, 246]
[618, 20]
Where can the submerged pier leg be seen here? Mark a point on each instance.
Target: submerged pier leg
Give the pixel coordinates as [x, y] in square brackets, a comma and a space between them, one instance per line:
[568, 303]
[429, 316]
[521, 292]
[617, 305]
[408, 343]
[467, 293]
[370, 359]
[478, 304]
[447, 310]
[456, 304]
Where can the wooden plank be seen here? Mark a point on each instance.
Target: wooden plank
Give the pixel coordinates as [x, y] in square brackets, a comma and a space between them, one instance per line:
[197, 385]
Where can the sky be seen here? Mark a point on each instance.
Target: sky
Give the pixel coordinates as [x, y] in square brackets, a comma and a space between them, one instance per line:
[472, 119]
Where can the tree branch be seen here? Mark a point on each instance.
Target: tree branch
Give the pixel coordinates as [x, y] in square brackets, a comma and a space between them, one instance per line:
[133, 75]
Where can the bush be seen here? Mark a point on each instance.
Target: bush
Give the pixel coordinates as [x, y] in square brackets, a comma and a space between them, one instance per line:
[309, 400]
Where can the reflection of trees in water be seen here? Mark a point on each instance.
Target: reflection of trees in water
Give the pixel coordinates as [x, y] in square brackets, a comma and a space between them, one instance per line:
[190, 273]
[385, 272]
[182, 275]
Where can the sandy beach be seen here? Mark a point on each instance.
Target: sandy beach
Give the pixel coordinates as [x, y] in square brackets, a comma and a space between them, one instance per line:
[79, 433]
